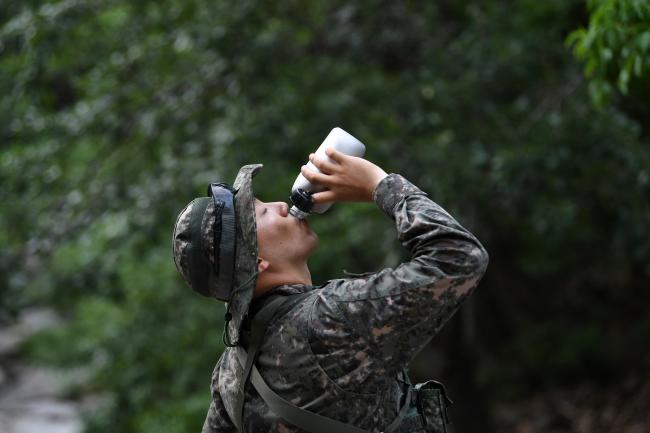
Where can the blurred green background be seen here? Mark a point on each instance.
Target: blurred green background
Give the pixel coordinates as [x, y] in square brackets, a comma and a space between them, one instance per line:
[528, 120]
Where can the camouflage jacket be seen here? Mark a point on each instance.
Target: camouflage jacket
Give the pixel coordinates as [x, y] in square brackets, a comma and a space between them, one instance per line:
[340, 351]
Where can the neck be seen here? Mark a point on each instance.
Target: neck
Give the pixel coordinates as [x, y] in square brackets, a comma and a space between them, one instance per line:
[271, 278]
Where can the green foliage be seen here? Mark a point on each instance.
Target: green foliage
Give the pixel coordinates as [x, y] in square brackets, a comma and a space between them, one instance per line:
[115, 114]
[615, 46]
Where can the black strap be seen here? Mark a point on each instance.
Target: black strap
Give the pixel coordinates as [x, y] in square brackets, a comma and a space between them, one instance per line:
[304, 419]
[223, 195]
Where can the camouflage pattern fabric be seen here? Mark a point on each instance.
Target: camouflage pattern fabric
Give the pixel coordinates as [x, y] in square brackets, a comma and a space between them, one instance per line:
[246, 259]
[431, 404]
[340, 351]
[182, 247]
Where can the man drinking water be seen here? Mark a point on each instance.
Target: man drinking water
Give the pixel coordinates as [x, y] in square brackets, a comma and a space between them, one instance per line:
[329, 358]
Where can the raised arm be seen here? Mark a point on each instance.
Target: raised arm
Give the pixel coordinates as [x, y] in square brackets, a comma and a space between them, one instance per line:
[397, 311]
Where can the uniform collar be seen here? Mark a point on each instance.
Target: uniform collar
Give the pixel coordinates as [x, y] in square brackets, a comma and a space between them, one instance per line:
[284, 290]
[287, 289]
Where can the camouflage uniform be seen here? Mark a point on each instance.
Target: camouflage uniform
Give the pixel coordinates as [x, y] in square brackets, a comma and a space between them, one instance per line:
[339, 352]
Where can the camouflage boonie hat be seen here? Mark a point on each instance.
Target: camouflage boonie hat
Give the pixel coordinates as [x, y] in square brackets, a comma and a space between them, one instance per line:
[194, 250]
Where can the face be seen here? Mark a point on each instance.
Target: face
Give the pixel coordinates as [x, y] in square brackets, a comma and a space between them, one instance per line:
[282, 238]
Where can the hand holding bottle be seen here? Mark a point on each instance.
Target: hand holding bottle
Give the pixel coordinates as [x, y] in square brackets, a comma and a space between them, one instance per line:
[347, 178]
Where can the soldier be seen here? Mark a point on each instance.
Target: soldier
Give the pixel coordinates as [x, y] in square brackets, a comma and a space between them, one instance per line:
[340, 349]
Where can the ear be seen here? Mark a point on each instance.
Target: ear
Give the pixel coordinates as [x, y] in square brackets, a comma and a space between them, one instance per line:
[262, 264]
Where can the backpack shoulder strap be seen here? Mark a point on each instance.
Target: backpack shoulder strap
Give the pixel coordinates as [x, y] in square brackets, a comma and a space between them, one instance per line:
[311, 421]
[275, 306]
[304, 419]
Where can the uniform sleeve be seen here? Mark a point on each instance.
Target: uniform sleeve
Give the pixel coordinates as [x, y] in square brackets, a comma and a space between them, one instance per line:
[396, 312]
[217, 419]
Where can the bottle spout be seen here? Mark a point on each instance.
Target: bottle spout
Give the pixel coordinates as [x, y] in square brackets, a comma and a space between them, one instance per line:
[297, 213]
[302, 203]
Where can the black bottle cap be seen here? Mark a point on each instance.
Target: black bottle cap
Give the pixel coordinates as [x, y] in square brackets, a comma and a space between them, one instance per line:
[302, 200]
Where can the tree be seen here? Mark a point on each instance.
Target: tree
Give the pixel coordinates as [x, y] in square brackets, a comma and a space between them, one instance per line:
[616, 50]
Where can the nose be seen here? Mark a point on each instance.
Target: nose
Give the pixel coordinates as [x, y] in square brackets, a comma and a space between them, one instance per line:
[283, 208]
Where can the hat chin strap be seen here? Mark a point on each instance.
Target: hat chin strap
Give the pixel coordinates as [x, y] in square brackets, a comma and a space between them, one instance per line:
[227, 341]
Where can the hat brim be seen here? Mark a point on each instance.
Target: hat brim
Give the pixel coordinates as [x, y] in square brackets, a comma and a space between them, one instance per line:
[245, 275]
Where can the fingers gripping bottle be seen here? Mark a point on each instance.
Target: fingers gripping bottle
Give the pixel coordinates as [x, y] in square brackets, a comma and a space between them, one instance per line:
[302, 189]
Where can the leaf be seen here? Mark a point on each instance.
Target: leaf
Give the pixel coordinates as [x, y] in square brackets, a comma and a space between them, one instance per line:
[643, 41]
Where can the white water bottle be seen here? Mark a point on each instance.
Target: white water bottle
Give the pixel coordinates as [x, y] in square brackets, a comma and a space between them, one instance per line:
[302, 189]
